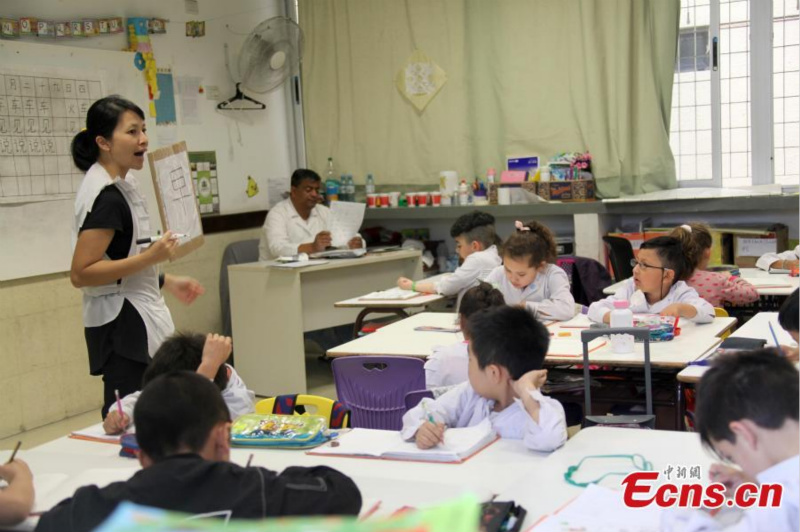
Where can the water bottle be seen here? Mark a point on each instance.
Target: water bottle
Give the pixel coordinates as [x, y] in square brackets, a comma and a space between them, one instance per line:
[463, 193]
[332, 189]
[351, 188]
[490, 176]
[370, 184]
[621, 316]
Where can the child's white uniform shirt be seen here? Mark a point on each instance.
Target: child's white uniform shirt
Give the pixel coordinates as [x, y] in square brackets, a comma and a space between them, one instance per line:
[475, 268]
[548, 296]
[766, 259]
[448, 365]
[679, 293]
[463, 407]
[238, 398]
[785, 518]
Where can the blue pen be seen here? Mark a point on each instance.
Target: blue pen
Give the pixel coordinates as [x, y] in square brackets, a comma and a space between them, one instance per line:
[774, 336]
[427, 413]
[703, 362]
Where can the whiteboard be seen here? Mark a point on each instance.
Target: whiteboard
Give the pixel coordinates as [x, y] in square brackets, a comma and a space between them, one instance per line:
[35, 237]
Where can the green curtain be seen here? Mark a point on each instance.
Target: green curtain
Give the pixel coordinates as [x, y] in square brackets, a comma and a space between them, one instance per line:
[524, 77]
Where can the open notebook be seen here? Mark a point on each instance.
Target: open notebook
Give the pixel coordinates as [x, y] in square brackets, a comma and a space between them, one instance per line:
[459, 444]
[392, 294]
[95, 433]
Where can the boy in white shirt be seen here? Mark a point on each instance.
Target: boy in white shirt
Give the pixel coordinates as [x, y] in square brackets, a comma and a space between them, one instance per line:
[476, 245]
[655, 288]
[447, 365]
[529, 277]
[192, 352]
[747, 413]
[785, 260]
[506, 350]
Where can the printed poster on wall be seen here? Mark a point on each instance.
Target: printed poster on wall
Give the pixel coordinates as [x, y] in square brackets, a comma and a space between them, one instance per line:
[204, 175]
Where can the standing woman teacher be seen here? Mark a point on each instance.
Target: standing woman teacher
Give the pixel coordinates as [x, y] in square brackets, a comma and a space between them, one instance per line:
[124, 313]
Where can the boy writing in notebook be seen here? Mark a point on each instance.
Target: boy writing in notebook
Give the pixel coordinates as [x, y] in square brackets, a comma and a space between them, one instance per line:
[190, 352]
[506, 350]
[656, 286]
[476, 245]
[183, 430]
[747, 413]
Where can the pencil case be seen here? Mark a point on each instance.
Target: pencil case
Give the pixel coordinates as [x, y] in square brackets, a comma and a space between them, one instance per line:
[278, 431]
[129, 446]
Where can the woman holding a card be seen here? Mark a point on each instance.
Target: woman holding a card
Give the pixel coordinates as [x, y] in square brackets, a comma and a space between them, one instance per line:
[115, 256]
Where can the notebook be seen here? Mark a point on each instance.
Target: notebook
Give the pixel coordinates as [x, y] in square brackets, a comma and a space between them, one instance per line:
[765, 282]
[458, 446]
[391, 294]
[95, 433]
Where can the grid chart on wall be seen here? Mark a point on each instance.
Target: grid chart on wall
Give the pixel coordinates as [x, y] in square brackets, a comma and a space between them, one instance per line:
[39, 116]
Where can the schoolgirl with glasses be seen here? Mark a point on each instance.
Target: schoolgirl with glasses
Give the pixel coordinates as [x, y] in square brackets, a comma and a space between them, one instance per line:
[655, 287]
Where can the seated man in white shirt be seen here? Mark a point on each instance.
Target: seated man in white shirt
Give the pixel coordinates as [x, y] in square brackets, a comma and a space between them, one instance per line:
[299, 224]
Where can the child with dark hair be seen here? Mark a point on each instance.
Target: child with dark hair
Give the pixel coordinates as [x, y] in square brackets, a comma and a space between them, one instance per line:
[184, 439]
[747, 413]
[476, 245]
[529, 277]
[447, 366]
[190, 352]
[717, 288]
[655, 286]
[788, 317]
[507, 347]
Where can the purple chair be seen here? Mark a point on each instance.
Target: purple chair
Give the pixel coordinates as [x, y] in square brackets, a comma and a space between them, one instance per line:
[374, 388]
[413, 398]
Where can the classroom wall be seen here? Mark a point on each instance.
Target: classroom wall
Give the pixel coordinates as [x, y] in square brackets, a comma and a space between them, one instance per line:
[45, 375]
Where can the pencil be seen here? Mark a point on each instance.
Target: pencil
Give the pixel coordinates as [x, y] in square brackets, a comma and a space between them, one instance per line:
[774, 336]
[119, 404]
[249, 460]
[14, 453]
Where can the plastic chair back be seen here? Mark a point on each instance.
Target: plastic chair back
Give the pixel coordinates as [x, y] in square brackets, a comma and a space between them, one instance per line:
[722, 313]
[413, 398]
[374, 388]
[235, 253]
[620, 253]
[334, 412]
[643, 421]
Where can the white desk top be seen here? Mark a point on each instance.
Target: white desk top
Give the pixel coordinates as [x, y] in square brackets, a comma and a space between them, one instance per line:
[333, 264]
[783, 284]
[395, 483]
[756, 327]
[534, 480]
[400, 338]
[420, 300]
[548, 491]
[694, 341]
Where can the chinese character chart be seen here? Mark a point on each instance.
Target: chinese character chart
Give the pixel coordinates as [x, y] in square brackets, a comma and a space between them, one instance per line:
[39, 116]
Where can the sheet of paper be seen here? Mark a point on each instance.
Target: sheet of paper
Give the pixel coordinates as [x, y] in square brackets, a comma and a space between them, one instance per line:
[175, 182]
[600, 509]
[298, 264]
[767, 282]
[392, 293]
[277, 190]
[67, 486]
[96, 432]
[346, 219]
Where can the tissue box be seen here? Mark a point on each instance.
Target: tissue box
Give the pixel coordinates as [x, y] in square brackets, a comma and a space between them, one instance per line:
[578, 190]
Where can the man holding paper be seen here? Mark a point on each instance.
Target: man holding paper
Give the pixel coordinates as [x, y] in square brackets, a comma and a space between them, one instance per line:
[300, 224]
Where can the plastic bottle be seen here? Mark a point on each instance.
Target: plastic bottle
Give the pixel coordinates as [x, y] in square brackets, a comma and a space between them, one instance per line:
[544, 174]
[621, 316]
[344, 192]
[351, 188]
[370, 184]
[463, 193]
[490, 175]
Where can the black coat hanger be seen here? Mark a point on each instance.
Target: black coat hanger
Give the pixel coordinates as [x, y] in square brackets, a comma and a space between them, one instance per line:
[240, 96]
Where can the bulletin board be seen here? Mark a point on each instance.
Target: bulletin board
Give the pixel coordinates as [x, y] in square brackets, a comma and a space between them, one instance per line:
[40, 118]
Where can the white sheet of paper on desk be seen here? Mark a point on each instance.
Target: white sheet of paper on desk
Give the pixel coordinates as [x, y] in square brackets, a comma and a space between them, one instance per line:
[600, 509]
[346, 219]
[61, 487]
[392, 293]
[767, 282]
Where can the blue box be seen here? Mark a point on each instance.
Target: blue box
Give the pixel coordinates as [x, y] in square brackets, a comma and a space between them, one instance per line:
[526, 164]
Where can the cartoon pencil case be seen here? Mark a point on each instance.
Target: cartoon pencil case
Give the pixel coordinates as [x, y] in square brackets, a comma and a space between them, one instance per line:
[277, 431]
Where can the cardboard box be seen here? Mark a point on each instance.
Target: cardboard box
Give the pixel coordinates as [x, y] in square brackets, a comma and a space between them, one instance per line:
[578, 190]
[750, 244]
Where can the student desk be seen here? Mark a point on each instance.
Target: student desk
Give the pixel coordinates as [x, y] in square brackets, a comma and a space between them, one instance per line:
[389, 306]
[271, 307]
[757, 327]
[784, 285]
[550, 491]
[400, 338]
[395, 483]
